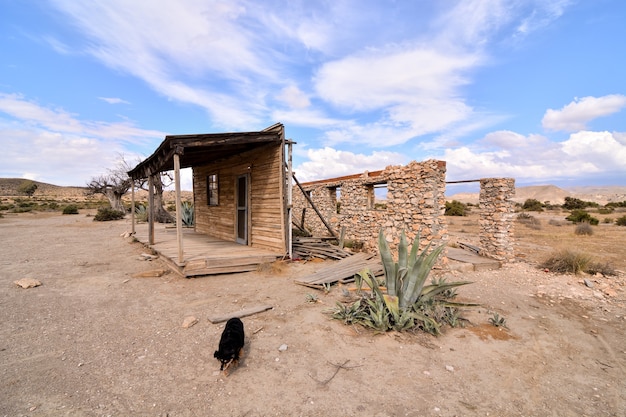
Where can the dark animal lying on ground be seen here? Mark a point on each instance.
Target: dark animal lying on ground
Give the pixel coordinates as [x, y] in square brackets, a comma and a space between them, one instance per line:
[231, 344]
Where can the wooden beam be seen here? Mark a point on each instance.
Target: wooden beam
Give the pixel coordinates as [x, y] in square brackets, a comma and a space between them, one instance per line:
[150, 210]
[330, 229]
[243, 313]
[179, 221]
[132, 208]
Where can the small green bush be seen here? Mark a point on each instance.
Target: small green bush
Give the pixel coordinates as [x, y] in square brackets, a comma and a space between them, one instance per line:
[607, 220]
[621, 221]
[456, 208]
[579, 216]
[107, 213]
[70, 209]
[532, 205]
[583, 229]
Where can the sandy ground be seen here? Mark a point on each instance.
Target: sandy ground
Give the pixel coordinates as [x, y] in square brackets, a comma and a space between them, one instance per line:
[94, 341]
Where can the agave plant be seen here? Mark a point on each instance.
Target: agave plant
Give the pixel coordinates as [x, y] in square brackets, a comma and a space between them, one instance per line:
[141, 213]
[406, 278]
[406, 302]
[187, 213]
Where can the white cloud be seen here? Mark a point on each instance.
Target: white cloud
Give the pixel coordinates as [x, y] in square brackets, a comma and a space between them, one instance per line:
[533, 157]
[576, 114]
[114, 100]
[329, 163]
[293, 97]
[55, 146]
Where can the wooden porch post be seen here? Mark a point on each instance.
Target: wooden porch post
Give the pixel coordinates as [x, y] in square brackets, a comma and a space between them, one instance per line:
[179, 222]
[289, 198]
[150, 210]
[132, 208]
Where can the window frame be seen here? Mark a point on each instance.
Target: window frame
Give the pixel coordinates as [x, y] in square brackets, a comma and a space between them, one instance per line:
[212, 190]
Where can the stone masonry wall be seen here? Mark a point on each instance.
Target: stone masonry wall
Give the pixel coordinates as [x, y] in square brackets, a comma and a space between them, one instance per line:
[415, 201]
[496, 217]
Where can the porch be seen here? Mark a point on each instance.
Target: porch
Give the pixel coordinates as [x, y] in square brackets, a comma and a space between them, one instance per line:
[203, 254]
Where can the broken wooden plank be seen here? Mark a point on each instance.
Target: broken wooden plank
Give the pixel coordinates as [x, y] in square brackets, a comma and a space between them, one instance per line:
[242, 313]
[342, 270]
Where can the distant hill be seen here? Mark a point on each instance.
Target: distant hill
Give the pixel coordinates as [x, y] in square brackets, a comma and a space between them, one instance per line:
[9, 188]
[556, 195]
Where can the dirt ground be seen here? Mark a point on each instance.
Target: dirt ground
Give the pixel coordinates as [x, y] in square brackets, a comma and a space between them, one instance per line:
[94, 341]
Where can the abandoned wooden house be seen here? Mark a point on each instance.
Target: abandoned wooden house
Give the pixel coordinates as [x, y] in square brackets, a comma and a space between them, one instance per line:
[241, 189]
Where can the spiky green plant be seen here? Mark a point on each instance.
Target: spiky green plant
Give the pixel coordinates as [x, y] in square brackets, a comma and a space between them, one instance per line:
[407, 303]
[141, 213]
[188, 213]
[405, 278]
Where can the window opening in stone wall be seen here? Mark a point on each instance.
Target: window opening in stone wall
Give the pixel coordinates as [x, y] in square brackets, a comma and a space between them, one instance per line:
[335, 198]
[212, 190]
[377, 196]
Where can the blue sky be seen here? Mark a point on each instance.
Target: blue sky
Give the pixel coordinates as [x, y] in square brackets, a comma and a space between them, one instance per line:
[530, 89]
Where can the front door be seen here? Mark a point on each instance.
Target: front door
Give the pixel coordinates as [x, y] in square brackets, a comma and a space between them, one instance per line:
[242, 209]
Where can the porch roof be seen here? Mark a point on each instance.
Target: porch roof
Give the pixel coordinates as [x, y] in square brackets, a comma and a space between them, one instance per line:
[202, 149]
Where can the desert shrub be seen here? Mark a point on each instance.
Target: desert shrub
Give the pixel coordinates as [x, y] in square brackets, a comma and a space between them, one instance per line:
[455, 208]
[621, 221]
[615, 204]
[188, 213]
[583, 229]
[607, 220]
[605, 269]
[5, 207]
[567, 261]
[407, 303]
[577, 204]
[579, 216]
[529, 221]
[554, 222]
[606, 210]
[141, 213]
[107, 213]
[70, 209]
[532, 205]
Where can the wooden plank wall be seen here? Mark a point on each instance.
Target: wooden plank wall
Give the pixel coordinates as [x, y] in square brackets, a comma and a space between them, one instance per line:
[266, 206]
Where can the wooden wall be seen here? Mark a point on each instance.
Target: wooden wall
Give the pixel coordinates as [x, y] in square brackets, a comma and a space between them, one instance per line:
[266, 217]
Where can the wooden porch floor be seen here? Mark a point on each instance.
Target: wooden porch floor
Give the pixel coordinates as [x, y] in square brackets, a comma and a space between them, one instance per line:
[203, 254]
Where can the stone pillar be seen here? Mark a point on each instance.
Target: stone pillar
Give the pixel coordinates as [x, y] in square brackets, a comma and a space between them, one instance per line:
[496, 218]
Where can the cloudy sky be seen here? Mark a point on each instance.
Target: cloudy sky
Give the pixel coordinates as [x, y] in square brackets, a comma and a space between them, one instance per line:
[530, 89]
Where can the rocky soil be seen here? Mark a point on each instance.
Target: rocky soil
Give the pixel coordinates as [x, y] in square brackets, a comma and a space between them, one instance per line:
[95, 339]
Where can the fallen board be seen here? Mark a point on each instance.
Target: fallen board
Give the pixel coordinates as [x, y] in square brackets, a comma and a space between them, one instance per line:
[342, 271]
[242, 313]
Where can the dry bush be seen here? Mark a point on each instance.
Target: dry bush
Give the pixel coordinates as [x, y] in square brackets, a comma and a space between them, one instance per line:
[567, 261]
[605, 269]
[583, 229]
[529, 220]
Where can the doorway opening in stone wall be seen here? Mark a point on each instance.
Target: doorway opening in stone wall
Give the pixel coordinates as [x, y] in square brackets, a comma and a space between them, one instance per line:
[463, 213]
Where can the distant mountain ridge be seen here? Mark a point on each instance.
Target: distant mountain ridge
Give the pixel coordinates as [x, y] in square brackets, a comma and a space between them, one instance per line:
[555, 195]
[9, 188]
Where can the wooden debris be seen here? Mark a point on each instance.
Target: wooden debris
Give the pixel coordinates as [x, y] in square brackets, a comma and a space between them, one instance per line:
[242, 313]
[342, 271]
[316, 247]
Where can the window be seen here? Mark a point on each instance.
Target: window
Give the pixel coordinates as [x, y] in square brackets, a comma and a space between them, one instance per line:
[211, 190]
[335, 198]
[377, 196]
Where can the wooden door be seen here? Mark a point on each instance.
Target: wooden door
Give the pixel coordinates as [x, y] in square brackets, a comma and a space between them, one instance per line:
[242, 192]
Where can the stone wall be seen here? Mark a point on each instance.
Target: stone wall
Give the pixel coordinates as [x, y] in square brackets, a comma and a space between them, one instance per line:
[415, 201]
[496, 217]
